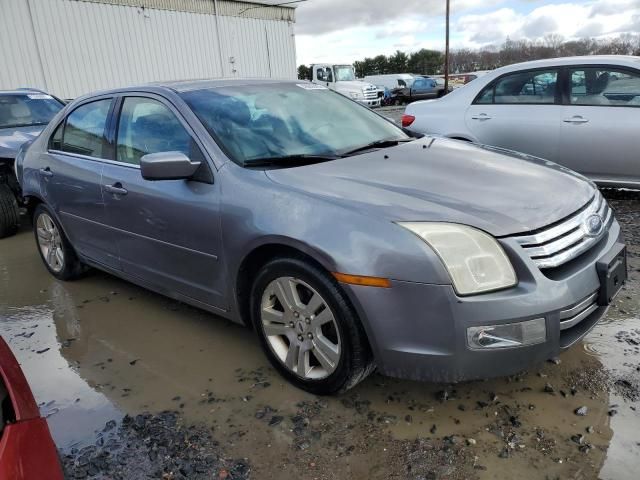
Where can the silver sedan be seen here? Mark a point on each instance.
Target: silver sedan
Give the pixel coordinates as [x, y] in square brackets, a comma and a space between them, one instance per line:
[580, 112]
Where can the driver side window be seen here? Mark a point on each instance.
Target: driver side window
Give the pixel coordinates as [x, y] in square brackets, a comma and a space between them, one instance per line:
[147, 126]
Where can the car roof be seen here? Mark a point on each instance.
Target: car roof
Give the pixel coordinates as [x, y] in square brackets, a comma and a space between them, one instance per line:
[22, 91]
[628, 60]
[181, 86]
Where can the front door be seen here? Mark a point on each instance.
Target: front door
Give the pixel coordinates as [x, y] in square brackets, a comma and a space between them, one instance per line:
[71, 178]
[599, 125]
[168, 231]
[519, 111]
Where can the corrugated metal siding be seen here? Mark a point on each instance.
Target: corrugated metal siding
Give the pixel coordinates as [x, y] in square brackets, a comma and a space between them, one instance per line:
[231, 8]
[19, 62]
[87, 46]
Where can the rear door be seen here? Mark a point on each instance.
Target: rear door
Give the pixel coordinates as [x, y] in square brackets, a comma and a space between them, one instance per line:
[71, 177]
[168, 231]
[520, 111]
[599, 133]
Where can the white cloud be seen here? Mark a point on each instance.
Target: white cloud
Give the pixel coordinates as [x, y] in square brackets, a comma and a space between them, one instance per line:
[347, 30]
[570, 20]
[324, 16]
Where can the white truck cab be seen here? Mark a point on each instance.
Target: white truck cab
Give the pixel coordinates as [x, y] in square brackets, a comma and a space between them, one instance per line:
[342, 79]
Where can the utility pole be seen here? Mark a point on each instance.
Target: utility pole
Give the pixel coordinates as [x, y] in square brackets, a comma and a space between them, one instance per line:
[446, 55]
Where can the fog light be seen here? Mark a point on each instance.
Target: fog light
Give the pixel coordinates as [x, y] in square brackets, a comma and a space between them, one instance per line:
[509, 335]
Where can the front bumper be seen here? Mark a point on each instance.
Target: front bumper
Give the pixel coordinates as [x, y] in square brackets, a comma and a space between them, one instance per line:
[418, 331]
[376, 102]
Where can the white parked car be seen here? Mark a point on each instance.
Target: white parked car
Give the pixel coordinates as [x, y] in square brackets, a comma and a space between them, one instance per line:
[580, 112]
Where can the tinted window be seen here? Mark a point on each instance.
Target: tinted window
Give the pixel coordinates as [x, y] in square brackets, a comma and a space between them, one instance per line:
[26, 110]
[147, 126]
[420, 83]
[324, 74]
[599, 86]
[274, 120]
[486, 96]
[538, 87]
[84, 129]
[56, 138]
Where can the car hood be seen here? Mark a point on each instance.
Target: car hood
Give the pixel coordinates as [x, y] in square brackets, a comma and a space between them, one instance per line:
[11, 139]
[436, 179]
[353, 85]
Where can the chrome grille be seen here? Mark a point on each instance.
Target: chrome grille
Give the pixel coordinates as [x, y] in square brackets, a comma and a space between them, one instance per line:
[565, 241]
[574, 315]
[370, 93]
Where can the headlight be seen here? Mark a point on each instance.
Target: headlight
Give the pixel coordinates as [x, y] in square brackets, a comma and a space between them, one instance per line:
[475, 260]
[355, 95]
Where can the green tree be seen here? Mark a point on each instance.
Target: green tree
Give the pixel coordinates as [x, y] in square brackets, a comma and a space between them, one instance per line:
[380, 65]
[397, 63]
[425, 62]
[304, 72]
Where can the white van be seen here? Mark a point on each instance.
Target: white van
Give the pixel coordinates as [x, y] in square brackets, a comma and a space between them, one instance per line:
[391, 80]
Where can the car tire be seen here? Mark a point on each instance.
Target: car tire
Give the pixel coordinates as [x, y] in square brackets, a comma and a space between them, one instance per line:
[56, 252]
[353, 362]
[9, 212]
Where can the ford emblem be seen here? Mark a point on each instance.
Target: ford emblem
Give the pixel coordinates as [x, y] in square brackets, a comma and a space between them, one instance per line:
[593, 225]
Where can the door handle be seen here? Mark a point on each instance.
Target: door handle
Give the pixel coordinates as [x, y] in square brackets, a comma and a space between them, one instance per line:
[482, 116]
[116, 189]
[576, 119]
[46, 172]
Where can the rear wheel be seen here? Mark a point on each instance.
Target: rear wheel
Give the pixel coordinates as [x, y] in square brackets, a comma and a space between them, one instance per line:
[9, 212]
[307, 327]
[55, 250]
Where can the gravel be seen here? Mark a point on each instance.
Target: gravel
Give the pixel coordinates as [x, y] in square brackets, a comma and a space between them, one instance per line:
[153, 446]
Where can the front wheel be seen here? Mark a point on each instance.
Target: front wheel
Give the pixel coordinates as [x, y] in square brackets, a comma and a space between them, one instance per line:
[54, 247]
[307, 327]
[9, 212]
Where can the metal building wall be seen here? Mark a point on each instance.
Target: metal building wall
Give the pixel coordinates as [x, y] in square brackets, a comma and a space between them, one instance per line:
[71, 47]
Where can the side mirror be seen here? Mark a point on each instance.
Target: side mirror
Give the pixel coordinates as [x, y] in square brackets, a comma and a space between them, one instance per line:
[167, 166]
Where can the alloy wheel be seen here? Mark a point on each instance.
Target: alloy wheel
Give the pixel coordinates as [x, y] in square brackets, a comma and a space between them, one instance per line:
[50, 242]
[300, 328]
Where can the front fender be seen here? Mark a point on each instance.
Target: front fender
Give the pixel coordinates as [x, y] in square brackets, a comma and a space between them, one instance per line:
[257, 211]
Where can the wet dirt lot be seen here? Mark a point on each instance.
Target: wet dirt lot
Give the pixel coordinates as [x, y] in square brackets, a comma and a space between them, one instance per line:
[99, 352]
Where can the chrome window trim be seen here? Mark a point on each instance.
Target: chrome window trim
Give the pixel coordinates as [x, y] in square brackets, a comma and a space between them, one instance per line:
[93, 159]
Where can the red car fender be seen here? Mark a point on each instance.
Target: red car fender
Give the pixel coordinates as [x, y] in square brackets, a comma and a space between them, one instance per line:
[27, 451]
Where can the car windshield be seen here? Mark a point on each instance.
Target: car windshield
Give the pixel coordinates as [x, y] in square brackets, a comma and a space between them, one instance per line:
[25, 110]
[344, 73]
[276, 120]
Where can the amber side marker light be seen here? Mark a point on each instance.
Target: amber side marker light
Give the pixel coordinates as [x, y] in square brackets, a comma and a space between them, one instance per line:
[364, 281]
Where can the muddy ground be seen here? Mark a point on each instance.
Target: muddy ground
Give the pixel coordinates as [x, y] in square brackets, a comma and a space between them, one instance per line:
[134, 385]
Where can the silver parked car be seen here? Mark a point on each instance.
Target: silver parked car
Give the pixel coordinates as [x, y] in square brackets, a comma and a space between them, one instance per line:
[580, 112]
[23, 115]
[345, 243]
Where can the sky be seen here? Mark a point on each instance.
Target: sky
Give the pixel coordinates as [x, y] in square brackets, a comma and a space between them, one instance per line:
[341, 31]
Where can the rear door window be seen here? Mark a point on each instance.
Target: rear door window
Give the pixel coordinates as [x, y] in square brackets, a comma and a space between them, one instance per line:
[84, 131]
[533, 87]
[598, 86]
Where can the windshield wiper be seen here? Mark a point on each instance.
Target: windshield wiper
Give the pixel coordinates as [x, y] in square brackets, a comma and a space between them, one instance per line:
[289, 160]
[378, 144]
